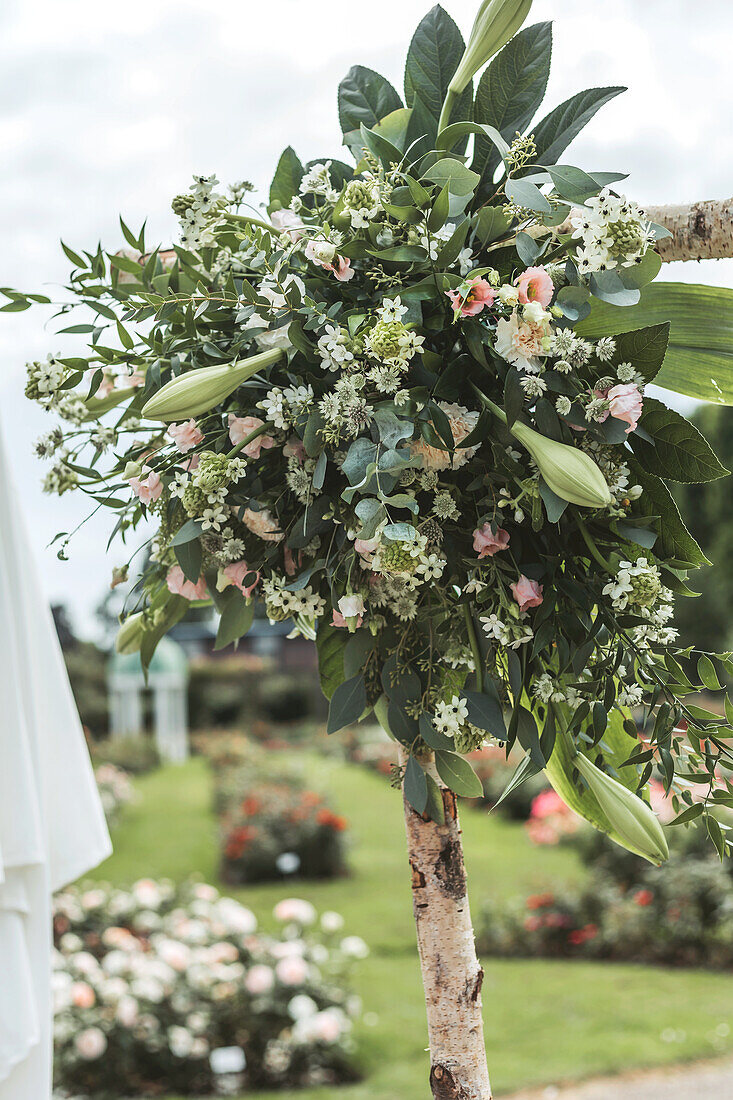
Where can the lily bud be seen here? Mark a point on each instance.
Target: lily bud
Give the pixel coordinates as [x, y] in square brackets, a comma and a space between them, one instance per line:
[132, 469]
[569, 472]
[130, 635]
[496, 22]
[634, 824]
[197, 391]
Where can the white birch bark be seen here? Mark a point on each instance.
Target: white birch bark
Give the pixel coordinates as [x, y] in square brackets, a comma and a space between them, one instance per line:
[451, 972]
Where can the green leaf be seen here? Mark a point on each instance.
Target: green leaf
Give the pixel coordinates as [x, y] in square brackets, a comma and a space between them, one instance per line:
[699, 361]
[189, 555]
[644, 348]
[365, 96]
[285, 182]
[435, 808]
[510, 92]
[526, 194]
[348, 703]
[457, 774]
[190, 530]
[708, 675]
[484, 711]
[415, 785]
[572, 184]
[680, 452]
[432, 737]
[435, 51]
[674, 540]
[236, 617]
[330, 648]
[555, 132]
[448, 171]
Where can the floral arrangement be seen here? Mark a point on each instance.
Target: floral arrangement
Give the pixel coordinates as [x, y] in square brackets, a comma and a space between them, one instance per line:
[390, 408]
[150, 982]
[277, 829]
[115, 789]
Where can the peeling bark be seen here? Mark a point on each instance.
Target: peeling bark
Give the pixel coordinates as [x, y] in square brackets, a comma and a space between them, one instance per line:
[451, 973]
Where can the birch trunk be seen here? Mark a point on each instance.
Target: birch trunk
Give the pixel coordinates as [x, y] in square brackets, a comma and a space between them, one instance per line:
[451, 972]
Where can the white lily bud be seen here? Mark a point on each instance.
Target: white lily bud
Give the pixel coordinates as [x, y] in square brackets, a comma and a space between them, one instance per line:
[634, 824]
[569, 472]
[496, 22]
[130, 635]
[197, 391]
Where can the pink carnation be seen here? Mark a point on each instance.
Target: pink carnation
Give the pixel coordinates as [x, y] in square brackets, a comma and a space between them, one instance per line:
[486, 543]
[535, 285]
[479, 294]
[146, 488]
[527, 593]
[235, 574]
[626, 404]
[186, 436]
[179, 586]
[242, 426]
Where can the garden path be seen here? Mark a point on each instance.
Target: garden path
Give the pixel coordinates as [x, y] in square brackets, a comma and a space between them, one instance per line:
[698, 1081]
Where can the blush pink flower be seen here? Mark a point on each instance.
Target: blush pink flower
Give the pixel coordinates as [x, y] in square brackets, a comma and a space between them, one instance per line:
[235, 574]
[259, 979]
[147, 488]
[137, 378]
[350, 612]
[338, 619]
[186, 435]
[179, 586]
[292, 971]
[472, 301]
[294, 449]
[287, 221]
[626, 404]
[486, 543]
[527, 593]
[82, 995]
[535, 285]
[242, 426]
[366, 547]
[341, 268]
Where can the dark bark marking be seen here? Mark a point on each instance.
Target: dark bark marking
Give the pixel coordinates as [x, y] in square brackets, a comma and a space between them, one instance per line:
[701, 228]
[477, 986]
[418, 878]
[450, 871]
[445, 1086]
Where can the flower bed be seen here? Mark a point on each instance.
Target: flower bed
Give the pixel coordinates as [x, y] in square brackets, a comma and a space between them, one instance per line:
[150, 982]
[277, 829]
[115, 789]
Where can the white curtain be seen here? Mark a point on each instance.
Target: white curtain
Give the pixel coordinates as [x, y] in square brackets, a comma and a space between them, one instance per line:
[52, 827]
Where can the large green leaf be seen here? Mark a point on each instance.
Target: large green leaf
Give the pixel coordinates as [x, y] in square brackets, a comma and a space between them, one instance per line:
[435, 51]
[365, 96]
[699, 360]
[347, 704]
[674, 540]
[511, 91]
[555, 132]
[285, 182]
[330, 646]
[679, 451]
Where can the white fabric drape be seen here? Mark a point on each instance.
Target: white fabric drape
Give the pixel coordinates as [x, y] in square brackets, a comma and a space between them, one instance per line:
[52, 827]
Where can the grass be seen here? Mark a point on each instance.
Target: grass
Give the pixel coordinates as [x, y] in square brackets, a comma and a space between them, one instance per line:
[545, 1021]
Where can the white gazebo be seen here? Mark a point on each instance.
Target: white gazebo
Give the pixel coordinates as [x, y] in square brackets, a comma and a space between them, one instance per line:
[168, 685]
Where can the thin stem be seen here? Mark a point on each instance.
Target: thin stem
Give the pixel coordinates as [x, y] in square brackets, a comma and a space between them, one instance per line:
[473, 641]
[447, 109]
[590, 543]
[248, 439]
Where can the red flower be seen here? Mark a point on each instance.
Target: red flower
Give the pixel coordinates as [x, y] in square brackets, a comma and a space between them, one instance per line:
[643, 897]
[331, 820]
[540, 901]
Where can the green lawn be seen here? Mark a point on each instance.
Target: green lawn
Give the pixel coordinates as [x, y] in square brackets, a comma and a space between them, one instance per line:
[545, 1020]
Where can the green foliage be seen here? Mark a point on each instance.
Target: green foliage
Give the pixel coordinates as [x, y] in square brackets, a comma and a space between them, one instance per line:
[432, 59]
[554, 133]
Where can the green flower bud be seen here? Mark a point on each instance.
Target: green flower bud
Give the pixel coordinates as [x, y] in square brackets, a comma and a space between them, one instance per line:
[569, 472]
[495, 23]
[635, 825]
[395, 559]
[130, 635]
[132, 469]
[213, 471]
[199, 390]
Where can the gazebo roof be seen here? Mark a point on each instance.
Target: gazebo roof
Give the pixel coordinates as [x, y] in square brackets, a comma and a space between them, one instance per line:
[169, 659]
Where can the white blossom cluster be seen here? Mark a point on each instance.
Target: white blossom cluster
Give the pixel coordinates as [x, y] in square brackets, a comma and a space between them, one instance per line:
[613, 232]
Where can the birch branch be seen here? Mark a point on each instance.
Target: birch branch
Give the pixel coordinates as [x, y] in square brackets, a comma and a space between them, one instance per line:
[700, 230]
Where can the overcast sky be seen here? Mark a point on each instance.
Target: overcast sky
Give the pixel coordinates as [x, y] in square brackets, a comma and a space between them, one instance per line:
[108, 108]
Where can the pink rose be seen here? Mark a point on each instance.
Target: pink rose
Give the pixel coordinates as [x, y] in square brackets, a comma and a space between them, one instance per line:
[146, 488]
[626, 404]
[535, 285]
[259, 979]
[527, 593]
[82, 995]
[235, 574]
[179, 586]
[242, 426]
[287, 221]
[292, 971]
[486, 543]
[479, 294]
[186, 436]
